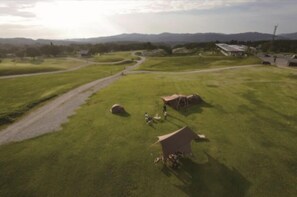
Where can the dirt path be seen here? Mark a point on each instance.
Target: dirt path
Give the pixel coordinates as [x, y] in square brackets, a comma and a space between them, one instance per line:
[195, 71]
[51, 116]
[85, 64]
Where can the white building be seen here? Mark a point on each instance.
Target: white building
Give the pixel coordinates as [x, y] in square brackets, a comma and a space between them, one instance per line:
[83, 53]
[232, 50]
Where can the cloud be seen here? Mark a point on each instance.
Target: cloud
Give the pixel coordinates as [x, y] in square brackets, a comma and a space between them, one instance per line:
[90, 18]
[14, 8]
[110, 7]
[25, 8]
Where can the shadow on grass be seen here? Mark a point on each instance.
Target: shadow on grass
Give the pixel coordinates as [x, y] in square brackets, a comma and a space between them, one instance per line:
[122, 114]
[174, 117]
[152, 125]
[209, 179]
[174, 123]
[260, 104]
[192, 109]
[202, 140]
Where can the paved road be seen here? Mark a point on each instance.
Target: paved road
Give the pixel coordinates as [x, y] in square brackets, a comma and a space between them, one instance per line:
[51, 116]
[281, 61]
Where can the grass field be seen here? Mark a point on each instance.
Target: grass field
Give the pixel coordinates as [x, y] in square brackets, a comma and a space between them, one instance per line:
[18, 95]
[8, 67]
[249, 116]
[113, 57]
[185, 63]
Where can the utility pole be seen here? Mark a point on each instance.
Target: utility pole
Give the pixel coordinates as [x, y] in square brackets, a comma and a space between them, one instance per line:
[273, 37]
[274, 32]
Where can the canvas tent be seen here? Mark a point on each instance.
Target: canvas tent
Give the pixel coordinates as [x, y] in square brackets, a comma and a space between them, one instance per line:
[117, 109]
[178, 101]
[178, 141]
[194, 99]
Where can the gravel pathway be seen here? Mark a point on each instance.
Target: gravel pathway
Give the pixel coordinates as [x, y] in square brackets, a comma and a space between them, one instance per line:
[194, 71]
[86, 63]
[51, 116]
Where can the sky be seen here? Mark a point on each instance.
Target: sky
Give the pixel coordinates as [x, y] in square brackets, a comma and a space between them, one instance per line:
[53, 19]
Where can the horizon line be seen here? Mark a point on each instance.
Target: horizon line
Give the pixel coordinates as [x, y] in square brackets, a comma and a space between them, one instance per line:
[62, 39]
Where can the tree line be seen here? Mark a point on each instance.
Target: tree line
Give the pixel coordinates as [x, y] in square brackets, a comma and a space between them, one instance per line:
[51, 50]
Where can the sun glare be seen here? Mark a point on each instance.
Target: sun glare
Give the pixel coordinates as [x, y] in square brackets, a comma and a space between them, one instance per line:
[77, 18]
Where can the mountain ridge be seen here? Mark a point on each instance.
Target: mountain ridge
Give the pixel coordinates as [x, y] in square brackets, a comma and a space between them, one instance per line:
[165, 37]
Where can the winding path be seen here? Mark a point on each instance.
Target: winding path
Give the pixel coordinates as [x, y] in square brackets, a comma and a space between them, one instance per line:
[85, 64]
[195, 71]
[51, 116]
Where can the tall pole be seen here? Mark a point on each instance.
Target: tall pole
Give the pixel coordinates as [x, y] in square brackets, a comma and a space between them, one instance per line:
[273, 37]
[274, 32]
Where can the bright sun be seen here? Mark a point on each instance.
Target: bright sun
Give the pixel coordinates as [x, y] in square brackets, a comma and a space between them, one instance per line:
[78, 17]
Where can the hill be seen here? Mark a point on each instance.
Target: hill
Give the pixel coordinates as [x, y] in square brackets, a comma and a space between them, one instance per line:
[180, 38]
[292, 36]
[171, 38]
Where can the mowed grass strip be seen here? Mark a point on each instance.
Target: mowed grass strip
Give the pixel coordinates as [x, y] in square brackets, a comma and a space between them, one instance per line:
[9, 67]
[18, 95]
[114, 56]
[249, 116]
[186, 63]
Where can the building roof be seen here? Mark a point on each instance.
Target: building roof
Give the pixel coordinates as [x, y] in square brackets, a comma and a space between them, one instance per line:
[231, 48]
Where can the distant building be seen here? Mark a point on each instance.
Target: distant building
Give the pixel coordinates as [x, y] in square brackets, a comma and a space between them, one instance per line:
[83, 53]
[253, 50]
[232, 50]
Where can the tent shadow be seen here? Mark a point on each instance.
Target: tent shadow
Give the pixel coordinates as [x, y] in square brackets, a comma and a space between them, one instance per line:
[202, 140]
[194, 108]
[209, 179]
[122, 114]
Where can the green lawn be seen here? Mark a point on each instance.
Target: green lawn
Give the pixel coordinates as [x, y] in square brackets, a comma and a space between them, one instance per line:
[249, 116]
[18, 95]
[114, 57]
[185, 63]
[8, 67]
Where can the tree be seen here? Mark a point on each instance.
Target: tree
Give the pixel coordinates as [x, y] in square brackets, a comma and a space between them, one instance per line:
[55, 50]
[20, 53]
[32, 52]
[51, 50]
[167, 49]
